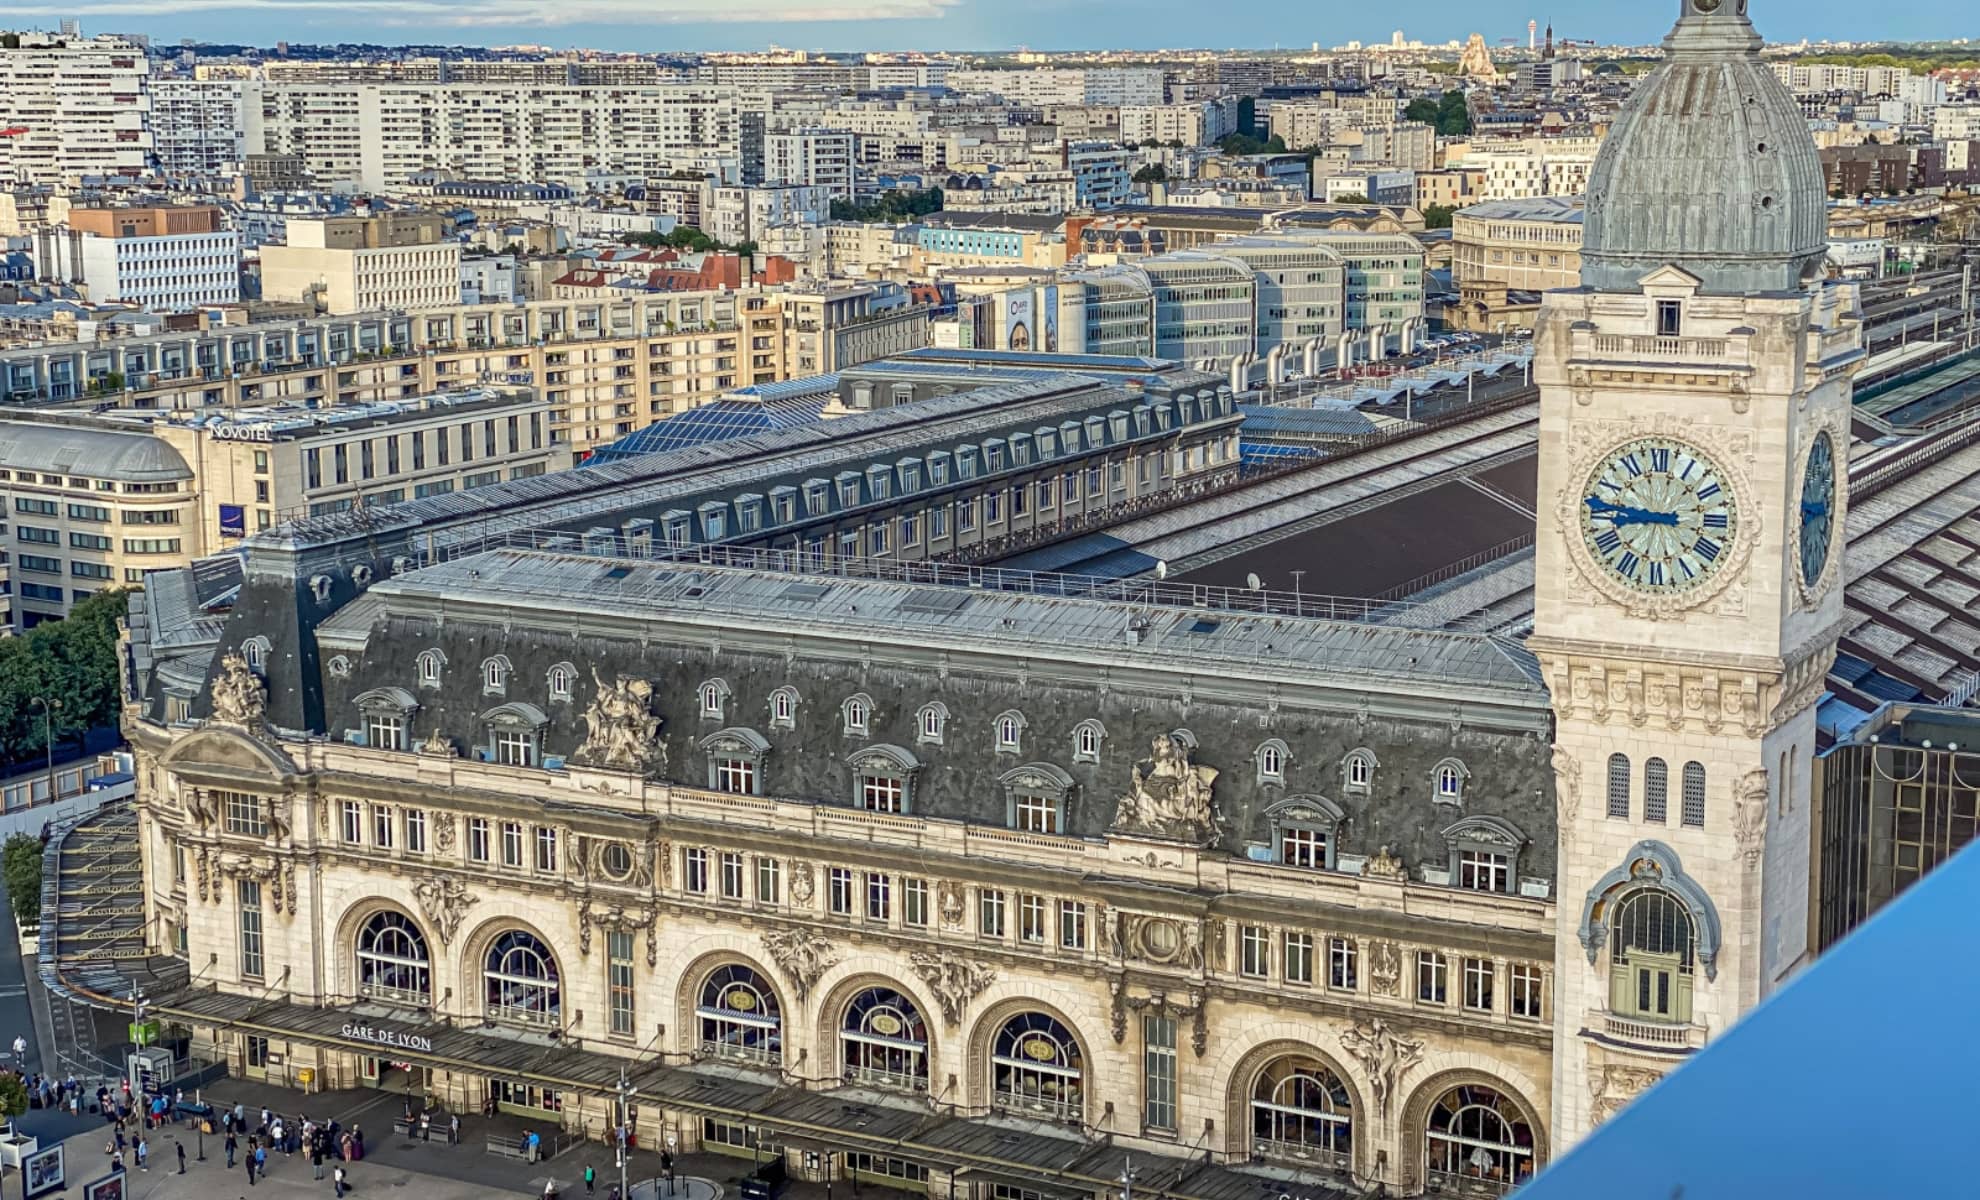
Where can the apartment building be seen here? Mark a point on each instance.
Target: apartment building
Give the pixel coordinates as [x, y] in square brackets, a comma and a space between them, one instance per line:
[1100, 173]
[604, 366]
[358, 264]
[1524, 168]
[102, 500]
[745, 214]
[811, 158]
[72, 106]
[162, 259]
[199, 126]
[380, 135]
[1199, 124]
[830, 327]
[1528, 245]
[1064, 85]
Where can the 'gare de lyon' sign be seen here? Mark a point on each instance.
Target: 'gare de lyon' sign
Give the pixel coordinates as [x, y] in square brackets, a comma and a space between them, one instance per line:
[387, 1037]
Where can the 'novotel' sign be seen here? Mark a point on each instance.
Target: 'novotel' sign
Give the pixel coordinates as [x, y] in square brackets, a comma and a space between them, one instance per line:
[388, 1037]
[242, 433]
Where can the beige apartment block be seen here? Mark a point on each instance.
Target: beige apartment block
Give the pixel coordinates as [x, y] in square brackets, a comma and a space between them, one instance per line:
[1528, 245]
[357, 264]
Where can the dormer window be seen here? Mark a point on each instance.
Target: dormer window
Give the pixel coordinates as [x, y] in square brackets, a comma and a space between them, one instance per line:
[562, 676]
[1035, 798]
[1670, 317]
[884, 779]
[1358, 770]
[858, 711]
[783, 708]
[735, 761]
[1447, 779]
[431, 662]
[1484, 854]
[1305, 831]
[1270, 758]
[714, 698]
[255, 651]
[1010, 732]
[930, 722]
[515, 732]
[1087, 736]
[386, 713]
[495, 675]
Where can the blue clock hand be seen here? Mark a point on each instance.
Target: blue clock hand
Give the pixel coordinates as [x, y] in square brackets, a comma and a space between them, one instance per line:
[1623, 514]
[1815, 509]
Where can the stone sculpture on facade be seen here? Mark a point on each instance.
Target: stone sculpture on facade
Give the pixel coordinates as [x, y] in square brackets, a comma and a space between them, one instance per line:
[1384, 1054]
[954, 980]
[1384, 969]
[1385, 866]
[445, 901]
[802, 954]
[1613, 1085]
[239, 696]
[620, 725]
[438, 744]
[1750, 814]
[1168, 796]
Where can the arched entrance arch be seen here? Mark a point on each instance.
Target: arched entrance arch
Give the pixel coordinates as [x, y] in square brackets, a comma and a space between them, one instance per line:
[1467, 1131]
[1291, 1102]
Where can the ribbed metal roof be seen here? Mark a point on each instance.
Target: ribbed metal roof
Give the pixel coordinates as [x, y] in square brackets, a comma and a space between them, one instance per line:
[99, 453]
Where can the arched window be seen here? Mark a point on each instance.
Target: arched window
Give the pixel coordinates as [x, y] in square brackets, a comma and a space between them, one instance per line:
[1694, 794]
[1447, 780]
[255, 651]
[885, 1041]
[1476, 1136]
[1270, 758]
[495, 675]
[783, 708]
[1656, 790]
[430, 663]
[1358, 770]
[1301, 1110]
[740, 1016]
[930, 723]
[1037, 1069]
[858, 711]
[392, 960]
[1619, 786]
[562, 676]
[714, 698]
[1652, 957]
[521, 973]
[1087, 736]
[1010, 732]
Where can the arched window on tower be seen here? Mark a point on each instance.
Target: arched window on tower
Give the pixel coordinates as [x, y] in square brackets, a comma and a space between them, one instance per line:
[1656, 790]
[1653, 957]
[1694, 795]
[1619, 786]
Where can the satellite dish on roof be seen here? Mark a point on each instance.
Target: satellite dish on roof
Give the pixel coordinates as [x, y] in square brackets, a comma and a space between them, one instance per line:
[1162, 569]
[1253, 582]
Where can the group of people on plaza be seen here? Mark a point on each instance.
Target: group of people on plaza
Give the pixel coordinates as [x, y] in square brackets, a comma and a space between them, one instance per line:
[244, 1138]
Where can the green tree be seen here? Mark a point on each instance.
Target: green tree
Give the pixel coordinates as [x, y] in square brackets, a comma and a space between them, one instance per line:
[13, 1095]
[72, 661]
[1424, 110]
[1438, 216]
[1351, 198]
[1152, 173]
[746, 248]
[20, 867]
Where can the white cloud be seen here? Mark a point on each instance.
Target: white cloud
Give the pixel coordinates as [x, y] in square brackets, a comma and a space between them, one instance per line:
[514, 12]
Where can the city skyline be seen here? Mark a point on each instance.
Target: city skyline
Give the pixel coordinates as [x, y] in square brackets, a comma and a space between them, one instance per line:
[967, 25]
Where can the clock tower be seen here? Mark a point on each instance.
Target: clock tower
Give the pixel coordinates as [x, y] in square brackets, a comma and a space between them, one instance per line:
[1694, 414]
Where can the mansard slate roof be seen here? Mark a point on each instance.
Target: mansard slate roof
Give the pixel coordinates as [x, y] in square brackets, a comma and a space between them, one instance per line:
[1233, 681]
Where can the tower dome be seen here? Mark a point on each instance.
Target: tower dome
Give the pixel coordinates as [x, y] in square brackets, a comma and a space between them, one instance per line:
[1709, 168]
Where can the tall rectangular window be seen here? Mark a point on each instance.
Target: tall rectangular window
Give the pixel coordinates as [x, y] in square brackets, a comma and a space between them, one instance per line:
[249, 892]
[769, 881]
[512, 844]
[381, 826]
[415, 830]
[1524, 982]
[1670, 318]
[1254, 952]
[694, 870]
[244, 814]
[990, 913]
[1478, 980]
[1158, 1072]
[840, 891]
[1072, 925]
[879, 897]
[914, 902]
[353, 822]
[1656, 790]
[1432, 977]
[732, 875]
[1031, 917]
[619, 979]
[478, 839]
[1299, 958]
[1342, 965]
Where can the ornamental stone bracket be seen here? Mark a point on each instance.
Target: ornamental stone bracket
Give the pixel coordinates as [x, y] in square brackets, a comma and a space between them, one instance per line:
[1674, 696]
[1611, 1086]
[1158, 1002]
[955, 980]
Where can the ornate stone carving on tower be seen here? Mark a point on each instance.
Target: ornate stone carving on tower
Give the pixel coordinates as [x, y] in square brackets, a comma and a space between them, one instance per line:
[954, 980]
[445, 901]
[1168, 796]
[620, 726]
[239, 696]
[1385, 1053]
[1694, 393]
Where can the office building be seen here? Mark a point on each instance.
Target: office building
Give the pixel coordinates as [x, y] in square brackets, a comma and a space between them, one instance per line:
[164, 260]
[357, 264]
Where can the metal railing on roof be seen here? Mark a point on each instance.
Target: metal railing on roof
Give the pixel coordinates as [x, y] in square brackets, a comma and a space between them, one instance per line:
[1047, 584]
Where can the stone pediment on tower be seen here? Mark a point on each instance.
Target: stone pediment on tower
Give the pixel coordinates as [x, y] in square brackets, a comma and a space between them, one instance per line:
[1673, 277]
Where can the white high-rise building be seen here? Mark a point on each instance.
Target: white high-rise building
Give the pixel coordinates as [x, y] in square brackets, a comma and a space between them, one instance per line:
[813, 157]
[198, 126]
[71, 106]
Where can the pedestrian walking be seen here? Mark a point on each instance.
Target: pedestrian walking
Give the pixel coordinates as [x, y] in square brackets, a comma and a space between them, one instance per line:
[248, 1162]
[143, 1152]
[316, 1156]
[232, 1145]
[261, 1160]
[20, 1051]
[337, 1179]
[454, 1130]
[182, 1157]
[590, 1180]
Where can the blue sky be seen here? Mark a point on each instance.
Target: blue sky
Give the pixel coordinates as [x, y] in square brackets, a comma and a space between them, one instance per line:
[649, 25]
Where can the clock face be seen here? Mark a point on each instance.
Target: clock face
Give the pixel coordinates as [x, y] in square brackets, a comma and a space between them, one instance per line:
[1658, 515]
[1818, 508]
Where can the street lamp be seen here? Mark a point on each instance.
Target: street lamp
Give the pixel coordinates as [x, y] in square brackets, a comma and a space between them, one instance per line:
[671, 1140]
[48, 710]
[626, 1091]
